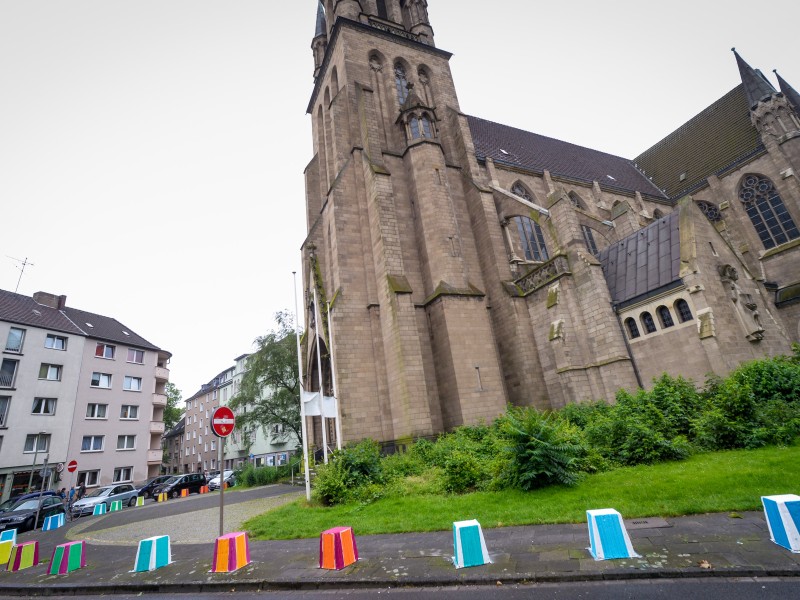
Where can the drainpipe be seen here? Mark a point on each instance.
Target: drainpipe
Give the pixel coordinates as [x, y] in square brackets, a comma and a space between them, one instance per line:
[615, 308]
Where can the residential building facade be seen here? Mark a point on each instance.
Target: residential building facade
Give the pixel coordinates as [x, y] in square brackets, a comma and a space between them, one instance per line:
[469, 265]
[77, 386]
[173, 445]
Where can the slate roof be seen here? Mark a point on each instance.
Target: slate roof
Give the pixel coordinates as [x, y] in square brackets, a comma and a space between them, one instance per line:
[709, 143]
[533, 152]
[791, 94]
[644, 261]
[23, 310]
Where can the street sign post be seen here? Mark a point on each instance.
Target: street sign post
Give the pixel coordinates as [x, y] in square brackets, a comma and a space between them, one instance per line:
[72, 466]
[223, 421]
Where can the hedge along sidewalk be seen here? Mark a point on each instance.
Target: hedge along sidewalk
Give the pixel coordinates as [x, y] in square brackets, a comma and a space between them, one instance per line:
[706, 483]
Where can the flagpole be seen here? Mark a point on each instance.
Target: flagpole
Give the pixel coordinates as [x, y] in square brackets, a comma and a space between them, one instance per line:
[333, 380]
[318, 321]
[302, 404]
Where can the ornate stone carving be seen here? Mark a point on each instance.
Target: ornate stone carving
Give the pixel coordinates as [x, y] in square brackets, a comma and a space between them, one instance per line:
[544, 274]
[746, 307]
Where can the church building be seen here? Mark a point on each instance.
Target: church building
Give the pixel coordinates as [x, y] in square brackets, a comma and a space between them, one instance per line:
[454, 265]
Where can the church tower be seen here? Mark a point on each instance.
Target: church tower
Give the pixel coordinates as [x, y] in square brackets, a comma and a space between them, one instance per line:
[408, 343]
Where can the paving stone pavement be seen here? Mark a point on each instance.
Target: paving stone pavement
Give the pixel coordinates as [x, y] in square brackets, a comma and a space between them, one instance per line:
[692, 546]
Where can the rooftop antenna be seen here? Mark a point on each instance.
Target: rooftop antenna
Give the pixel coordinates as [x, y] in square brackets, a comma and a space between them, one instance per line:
[24, 263]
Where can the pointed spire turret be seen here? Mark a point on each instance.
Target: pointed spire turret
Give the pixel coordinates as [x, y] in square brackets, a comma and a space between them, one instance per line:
[756, 86]
[322, 25]
[320, 42]
[791, 94]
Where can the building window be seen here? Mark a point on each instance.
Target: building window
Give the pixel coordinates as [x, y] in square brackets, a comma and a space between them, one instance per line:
[136, 356]
[665, 317]
[104, 350]
[129, 411]
[101, 380]
[92, 443]
[633, 328]
[5, 401]
[576, 201]
[55, 342]
[44, 406]
[213, 445]
[132, 384]
[531, 238]
[520, 191]
[401, 83]
[36, 442]
[126, 442]
[96, 411]
[8, 372]
[588, 237]
[683, 310]
[89, 478]
[14, 341]
[382, 9]
[123, 474]
[766, 210]
[648, 323]
[50, 372]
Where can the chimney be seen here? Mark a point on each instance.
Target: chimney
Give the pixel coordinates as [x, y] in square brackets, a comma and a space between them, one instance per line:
[50, 300]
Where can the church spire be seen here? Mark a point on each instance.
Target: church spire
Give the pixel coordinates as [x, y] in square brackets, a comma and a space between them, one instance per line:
[322, 26]
[791, 94]
[756, 86]
[320, 42]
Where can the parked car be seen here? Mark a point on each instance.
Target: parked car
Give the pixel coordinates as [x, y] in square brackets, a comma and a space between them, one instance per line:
[146, 489]
[12, 501]
[22, 514]
[174, 485]
[107, 494]
[229, 479]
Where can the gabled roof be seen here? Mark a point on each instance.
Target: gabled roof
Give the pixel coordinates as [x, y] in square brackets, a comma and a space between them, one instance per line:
[712, 141]
[107, 328]
[533, 152]
[644, 261]
[23, 310]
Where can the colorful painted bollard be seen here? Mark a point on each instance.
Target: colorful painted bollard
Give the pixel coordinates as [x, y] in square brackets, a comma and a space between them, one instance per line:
[607, 535]
[139, 500]
[783, 520]
[162, 497]
[204, 489]
[116, 505]
[153, 553]
[99, 509]
[337, 548]
[184, 493]
[469, 546]
[24, 556]
[53, 522]
[231, 552]
[8, 540]
[68, 557]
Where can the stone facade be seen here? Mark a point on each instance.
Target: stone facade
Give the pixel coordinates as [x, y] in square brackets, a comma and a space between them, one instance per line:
[468, 265]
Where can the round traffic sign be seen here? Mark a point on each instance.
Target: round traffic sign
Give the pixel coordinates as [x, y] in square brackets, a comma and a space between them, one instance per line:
[60, 467]
[72, 466]
[222, 421]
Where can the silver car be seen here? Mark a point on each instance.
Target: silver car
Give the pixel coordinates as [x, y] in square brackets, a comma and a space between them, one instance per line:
[107, 494]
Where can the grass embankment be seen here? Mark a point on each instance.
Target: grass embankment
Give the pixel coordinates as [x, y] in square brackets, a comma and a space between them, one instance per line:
[714, 482]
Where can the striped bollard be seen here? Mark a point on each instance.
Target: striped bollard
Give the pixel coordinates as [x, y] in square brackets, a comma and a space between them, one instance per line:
[607, 535]
[8, 539]
[116, 506]
[68, 557]
[162, 497]
[24, 556]
[204, 489]
[53, 522]
[231, 553]
[783, 520]
[139, 500]
[337, 548]
[153, 553]
[99, 509]
[468, 545]
[184, 493]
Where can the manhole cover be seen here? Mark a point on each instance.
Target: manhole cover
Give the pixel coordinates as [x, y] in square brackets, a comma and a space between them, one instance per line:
[651, 523]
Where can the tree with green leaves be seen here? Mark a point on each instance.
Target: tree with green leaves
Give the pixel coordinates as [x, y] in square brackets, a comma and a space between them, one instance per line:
[270, 390]
[172, 412]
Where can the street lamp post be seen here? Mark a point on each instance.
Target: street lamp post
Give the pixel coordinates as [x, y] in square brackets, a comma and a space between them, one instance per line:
[35, 455]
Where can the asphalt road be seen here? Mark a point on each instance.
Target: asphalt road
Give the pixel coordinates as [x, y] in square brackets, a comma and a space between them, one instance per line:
[693, 589]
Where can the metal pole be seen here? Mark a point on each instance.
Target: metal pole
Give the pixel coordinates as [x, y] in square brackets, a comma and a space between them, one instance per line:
[302, 404]
[221, 488]
[41, 492]
[318, 320]
[333, 381]
[35, 454]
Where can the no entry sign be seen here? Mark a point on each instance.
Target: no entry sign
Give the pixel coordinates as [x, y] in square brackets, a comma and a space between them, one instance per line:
[222, 421]
[72, 466]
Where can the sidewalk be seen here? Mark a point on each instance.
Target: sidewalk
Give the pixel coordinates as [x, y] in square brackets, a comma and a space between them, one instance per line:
[696, 546]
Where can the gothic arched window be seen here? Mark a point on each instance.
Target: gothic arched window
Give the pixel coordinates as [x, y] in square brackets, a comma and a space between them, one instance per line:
[683, 310]
[633, 328]
[576, 200]
[531, 238]
[665, 317]
[425, 123]
[401, 83]
[648, 323]
[766, 210]
[521, 191]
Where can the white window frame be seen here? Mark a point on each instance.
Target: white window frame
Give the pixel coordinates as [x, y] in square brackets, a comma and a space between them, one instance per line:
[10, 383]
[97, 406]
[91, 478]
[120, 474]
[135, 352]
[51, 339]
[127, 417]
[42, 441]
[106, 349]
[132, 384]
[48, 375]
[18, 349]
[124, 439]
[5, 404]
[44, 402]
[100, 377]
[92, 439]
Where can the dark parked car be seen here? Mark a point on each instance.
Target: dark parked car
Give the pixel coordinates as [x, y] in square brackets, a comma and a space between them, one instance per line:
[174, 485]
[12, 501]
[21, 515]
[146, 489]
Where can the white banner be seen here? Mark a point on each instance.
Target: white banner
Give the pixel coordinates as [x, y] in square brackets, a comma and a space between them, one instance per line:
[312, 406]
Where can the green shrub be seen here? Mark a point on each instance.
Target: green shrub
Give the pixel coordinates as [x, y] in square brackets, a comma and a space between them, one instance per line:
[462, 473]
[581, 414]
[770, 379]
[678, 401]
[349, 469]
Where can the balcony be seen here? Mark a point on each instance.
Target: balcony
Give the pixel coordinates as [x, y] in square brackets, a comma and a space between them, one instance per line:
[156, 427]
[159, 399]
[162, 374]
[154, 457]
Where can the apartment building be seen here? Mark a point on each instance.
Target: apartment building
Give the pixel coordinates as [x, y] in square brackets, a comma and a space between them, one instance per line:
[173, 446]
[76, 385]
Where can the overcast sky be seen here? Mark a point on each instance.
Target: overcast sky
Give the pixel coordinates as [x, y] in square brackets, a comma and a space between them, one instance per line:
[152, 151]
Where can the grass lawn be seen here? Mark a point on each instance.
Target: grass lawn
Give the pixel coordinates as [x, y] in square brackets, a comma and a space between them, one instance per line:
[715, 482]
